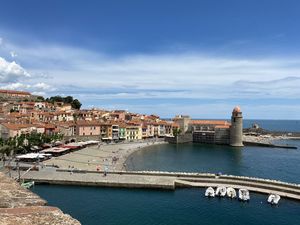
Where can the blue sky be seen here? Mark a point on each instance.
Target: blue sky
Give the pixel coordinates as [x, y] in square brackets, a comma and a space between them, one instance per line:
[166, 57]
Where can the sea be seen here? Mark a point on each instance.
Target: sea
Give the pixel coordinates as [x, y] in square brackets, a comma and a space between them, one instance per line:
[117, 206]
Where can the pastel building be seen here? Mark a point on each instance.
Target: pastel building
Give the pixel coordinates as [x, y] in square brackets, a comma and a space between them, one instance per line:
[9, 130]
[87, 128]
[133, 132]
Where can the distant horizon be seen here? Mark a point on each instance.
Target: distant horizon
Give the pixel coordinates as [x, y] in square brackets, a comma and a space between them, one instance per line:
[165, 57]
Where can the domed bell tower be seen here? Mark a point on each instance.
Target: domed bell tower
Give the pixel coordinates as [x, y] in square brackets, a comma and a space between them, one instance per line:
[236, 129]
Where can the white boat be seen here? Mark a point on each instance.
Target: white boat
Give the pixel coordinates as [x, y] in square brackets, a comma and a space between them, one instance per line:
[221, 191]
[27, 184]
[210, 192]
[231, 193]
[273, 199]
[244, 195]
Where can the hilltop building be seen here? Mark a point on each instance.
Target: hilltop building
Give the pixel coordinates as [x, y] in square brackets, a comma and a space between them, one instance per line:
[12, 95]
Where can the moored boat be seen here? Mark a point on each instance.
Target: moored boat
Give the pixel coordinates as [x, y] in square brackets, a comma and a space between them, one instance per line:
[273, 199]
[27, 184]
[210, 192]
[231, 193]
[244, 195]
[221, 191]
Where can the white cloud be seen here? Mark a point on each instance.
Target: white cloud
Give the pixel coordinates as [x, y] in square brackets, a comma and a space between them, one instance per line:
[16, 86]
[90, 76]
[13, 54]
[38, 88]
[43, 86]
[40, 93]
[187, 75]
[11, 71]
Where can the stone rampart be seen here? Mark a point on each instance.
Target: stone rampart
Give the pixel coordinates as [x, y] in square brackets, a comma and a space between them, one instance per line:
[22, 207]
[180, 139]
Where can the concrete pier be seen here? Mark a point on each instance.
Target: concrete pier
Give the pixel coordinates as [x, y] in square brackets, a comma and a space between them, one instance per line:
[163, 180]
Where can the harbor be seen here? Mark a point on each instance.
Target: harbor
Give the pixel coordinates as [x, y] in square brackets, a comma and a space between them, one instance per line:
[147, 161]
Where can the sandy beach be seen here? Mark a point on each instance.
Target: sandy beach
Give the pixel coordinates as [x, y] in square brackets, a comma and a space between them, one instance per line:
[109, 157]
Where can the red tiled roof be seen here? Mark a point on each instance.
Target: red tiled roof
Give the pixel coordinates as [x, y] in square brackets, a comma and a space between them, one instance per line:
[14, 92]
[13, 126]
[209, 122]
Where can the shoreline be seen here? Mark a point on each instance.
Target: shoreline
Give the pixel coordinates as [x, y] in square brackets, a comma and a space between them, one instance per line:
[110, 157]
[130, 152]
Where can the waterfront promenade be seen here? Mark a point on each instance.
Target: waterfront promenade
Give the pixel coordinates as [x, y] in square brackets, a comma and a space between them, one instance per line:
[162, 180]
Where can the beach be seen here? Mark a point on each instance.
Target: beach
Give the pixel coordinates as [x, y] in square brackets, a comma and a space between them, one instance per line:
[110, 157]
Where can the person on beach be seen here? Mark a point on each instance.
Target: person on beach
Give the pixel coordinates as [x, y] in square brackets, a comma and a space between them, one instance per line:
[105, 170]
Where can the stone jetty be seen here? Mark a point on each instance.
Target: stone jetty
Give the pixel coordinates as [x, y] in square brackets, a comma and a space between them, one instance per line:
[163, 180]
[19, 206]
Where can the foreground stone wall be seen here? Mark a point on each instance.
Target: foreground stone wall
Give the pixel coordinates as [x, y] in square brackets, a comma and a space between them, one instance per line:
[19, 206]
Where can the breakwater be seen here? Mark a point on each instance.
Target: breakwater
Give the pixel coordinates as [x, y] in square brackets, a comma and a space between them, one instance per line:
[270, 145]
[163, 180]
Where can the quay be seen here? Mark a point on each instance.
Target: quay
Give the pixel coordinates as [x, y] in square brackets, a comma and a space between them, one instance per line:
[161, 180]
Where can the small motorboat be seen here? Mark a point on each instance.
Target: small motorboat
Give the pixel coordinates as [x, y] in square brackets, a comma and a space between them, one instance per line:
[210, 192]
[231, 193]
[273, 199]
[244, 195]
[221, 191]
[27, 184]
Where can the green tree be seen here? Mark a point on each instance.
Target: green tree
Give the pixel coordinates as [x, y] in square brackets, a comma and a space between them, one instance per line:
[40, 99]
[176, 131]
[68, 99]
[76, 104]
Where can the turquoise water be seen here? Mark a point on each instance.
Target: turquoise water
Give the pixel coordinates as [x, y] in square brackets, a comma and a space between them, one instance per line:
[112, 206]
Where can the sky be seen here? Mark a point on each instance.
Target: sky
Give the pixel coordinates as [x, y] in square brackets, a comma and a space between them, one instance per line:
[195, 57]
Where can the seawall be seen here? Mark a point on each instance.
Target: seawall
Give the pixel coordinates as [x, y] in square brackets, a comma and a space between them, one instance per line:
[164, 180]
[180, 139]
